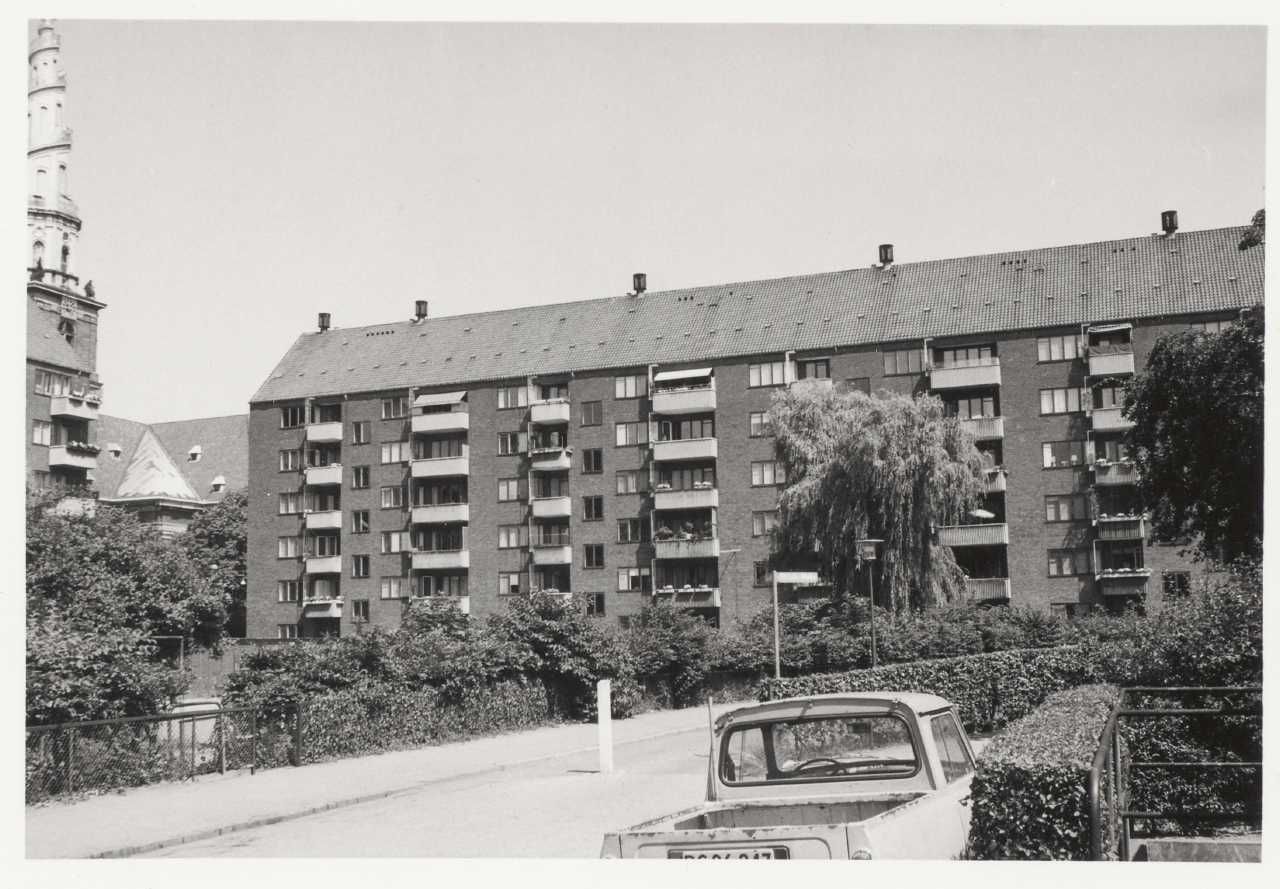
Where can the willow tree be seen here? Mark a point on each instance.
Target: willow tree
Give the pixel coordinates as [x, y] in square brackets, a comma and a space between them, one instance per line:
[890, 467]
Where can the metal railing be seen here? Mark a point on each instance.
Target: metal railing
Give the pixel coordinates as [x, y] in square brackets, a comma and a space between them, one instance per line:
[1111, 811]
[109, 754]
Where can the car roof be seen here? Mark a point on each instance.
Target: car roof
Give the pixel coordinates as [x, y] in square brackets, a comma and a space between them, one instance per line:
[827, 704]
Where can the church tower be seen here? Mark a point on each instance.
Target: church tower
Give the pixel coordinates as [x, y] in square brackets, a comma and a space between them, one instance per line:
[63, 390]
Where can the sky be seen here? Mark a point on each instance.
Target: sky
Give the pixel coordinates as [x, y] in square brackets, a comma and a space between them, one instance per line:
[236, 178]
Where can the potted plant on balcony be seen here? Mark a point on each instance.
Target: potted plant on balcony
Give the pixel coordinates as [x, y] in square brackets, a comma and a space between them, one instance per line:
[662, 486]
[663, 533]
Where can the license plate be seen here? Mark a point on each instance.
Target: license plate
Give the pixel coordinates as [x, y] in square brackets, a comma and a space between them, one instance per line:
[746, 853]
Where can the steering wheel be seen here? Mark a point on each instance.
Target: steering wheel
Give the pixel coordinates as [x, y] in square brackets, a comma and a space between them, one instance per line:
[821, 759]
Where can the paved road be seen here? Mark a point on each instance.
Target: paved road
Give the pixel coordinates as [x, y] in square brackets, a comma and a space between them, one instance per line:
[554, 809]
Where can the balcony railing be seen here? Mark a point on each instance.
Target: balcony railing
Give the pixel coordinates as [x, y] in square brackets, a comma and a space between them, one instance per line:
[1121, 527]
[550, 459]
[986, 589]
[324, 475]
[690, 596]
[552, 507]
[1119, 473]
[329, 605]
[324, 564]
[550, 411]
[974, 535]
[685, 449]
[55, 278]
[977, 372]
[451, 421]
[684, 399]
[1110, 360]
[705, 548]
[1123, 581]
[688, 498]
[984, 428]
[997, 481]
[325, 432]
[441, 513]
[1109, 419]
[73, 455]
[323, 520]
[442, 467]
[76, 408]
[552, 553]
[441, 559]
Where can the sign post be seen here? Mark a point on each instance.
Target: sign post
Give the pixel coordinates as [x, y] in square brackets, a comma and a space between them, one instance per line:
[804, 578]
[604, 725]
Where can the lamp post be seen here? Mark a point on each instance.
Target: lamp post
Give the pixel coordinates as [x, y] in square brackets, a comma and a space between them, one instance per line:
[867, 552]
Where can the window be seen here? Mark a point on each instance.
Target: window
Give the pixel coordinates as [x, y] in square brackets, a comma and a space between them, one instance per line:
[326, 545]
[630, 386]
[512, 397]
[593, 555]
[1108, 396]
[508, 489]
[964, 356]
[767, 472]
[592, 413]
[395, 541]
[287, 548]
[683, 430]
[628, 481]
[858, 384]
[1210, 326]
[360, 432]
[763, 523]
[395, 408]
[292, 416]
[633, 530]
[769, 373]
[1175, 584]
[551, 486]
[509, 583]
[593, 508]
[322, 588]
[630, 433]
[286, 631]
[1068, 562]
[391, 587]
[290, 461]
[593, 461]
[686, 478]
[1060, 401]
[508, 443]
[595, 605]
[759, 422]
[50, 383]
[395, 452]
[813, 369]
[360, 610]
[290, 503]
[1059, 348]
[634, 580]
[393, 497]
[442, 584]
[41, 432]
[438, 448]
[1058, 454]
[553, 391]
[971, 408]
[360, 521]
[359, 477]
[903, 361]
[513, 536]
[286, 591]
[952, 753]
[1066, 507]
[763, 576]
[819, 748]
[1113, 450]
[359, 566]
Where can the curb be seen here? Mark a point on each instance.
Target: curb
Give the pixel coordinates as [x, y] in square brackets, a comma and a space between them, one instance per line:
[267, 820]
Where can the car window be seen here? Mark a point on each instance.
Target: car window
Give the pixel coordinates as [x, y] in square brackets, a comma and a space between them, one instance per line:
[952, 752]
[864, 746]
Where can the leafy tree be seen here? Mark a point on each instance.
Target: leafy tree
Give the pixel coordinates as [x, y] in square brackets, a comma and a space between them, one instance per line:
[675, 648]
[1197, 440]
[1256, 234]
[216, 540]
[890, 467]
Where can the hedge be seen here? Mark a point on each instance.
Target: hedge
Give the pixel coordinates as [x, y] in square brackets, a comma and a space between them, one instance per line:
[1031, 790]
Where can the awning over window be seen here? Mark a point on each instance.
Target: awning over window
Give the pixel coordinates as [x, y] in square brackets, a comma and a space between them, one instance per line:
[671, 376]
[438, 398]
[1109, 328]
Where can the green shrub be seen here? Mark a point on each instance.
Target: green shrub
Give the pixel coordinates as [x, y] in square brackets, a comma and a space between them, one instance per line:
[1030, 794]
[672, 649]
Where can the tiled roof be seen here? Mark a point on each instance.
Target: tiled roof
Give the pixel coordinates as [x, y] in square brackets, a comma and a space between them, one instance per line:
[152, 473]
[224, 451]
[1058, 286]
[114, 431]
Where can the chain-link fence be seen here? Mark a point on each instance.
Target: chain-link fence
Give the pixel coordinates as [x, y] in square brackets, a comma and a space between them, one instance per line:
[109, 754]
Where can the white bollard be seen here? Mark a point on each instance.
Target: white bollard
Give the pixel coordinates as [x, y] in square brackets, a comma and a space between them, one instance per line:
[604, 725]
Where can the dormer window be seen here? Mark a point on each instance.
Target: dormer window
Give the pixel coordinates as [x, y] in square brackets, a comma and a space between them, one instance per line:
[114, 449]
[193, 455]
[219, 482]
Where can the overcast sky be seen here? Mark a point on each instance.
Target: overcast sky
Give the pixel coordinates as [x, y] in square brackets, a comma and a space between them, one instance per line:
[235, 179]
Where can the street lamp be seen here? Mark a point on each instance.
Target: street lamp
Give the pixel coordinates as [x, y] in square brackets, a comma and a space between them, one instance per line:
[867, 552]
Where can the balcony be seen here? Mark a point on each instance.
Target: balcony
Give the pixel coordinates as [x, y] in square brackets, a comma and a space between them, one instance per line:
[441, 514]
[984, 428]
[1121, 527]
[442, 467]
[988, 589]
[324, 564]
[555, 459]
[325, 432]
[552, 554]
[692, 498]
[690, 596]
[813, 383]
[75, 408]
[1105, 361]
[698, 399]
[453, 421]
[1123, 581]
[322, 606]
[549, 412]
[323, 520]
[324, 475]
[1109, 419]
[73, 455]
[685, 449]
[552, 507]
[974, 535]
[462, 603]
[441, 559]
[708, 548]
[978, 372]
[1119, 473]
[997, 481]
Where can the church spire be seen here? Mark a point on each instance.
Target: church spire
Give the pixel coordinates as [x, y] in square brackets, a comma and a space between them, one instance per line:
[53, 219]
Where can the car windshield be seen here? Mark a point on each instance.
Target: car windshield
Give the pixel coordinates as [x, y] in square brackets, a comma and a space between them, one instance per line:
[862, 746]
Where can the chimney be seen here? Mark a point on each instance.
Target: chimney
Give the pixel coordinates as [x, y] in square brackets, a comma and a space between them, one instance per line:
[886, 255]
[639, 281]
[419, 309]
[1169, 221]
[323, 322]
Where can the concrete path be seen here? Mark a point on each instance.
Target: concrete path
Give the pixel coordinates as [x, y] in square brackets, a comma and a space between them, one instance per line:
[150, 818]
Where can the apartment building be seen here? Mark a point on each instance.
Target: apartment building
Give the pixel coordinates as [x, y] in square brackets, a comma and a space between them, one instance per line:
[617, 448]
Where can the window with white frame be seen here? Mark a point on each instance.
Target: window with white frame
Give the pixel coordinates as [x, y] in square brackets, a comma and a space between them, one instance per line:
[767, 472]
[1068, 562]
[360, 611]
[361, 432]
[287, 547]
[1061, 454]
[41, 432]
[286, 631]
[631, 386]
[359, 477]
[508, 489]
[1066, 507]
[1067, 347]
[633, 530]
[292, 416]
[360, 521]
[508, 443]
[509, 583]
[759, 424]
[630, 433]
[512, 397]
[287, 590]
[903, 361]
[763, 523]
[395, 408]
[391, 587]
[767, 373]
[360, 566]
[1061, 401]
[395, 541]
[513, 536]
[628, 481]
[290, 503]
[290, 461]
[635, 580]
[392, 496]
[395, 452]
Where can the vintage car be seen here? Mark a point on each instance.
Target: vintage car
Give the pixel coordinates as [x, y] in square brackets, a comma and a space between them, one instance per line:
[857, 776]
